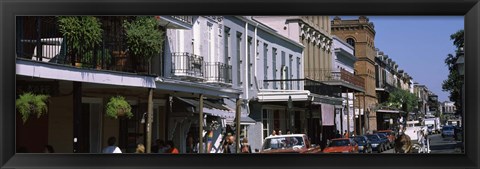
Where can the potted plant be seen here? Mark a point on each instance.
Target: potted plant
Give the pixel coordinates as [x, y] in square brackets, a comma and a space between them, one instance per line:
[143, 38]
[118, 106]
[82, 34]
[31, 104]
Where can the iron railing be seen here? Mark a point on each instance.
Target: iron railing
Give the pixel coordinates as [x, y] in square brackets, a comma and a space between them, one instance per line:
[218, 72]
[187, 64]
[185, 19]
[287, 84]
[330, 75]
[39, 39]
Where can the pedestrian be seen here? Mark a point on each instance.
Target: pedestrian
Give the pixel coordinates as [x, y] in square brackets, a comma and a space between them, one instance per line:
[111, 148]
[337, 134]
[162, 147]
[190, 143]
[155, 147]
[232, 145]
[273, 133]
[345, 135]
[171, 147]
[279, 132]
[245, 148]
[48, 149]
[288, 131]
[140, 148]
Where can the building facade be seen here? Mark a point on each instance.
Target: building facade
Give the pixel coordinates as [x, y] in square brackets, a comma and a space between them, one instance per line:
[360, 34]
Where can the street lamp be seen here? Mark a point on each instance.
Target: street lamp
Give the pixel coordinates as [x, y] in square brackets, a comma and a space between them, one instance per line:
[460, 63]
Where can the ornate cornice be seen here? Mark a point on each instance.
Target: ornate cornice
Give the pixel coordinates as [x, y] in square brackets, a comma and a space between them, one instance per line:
[316, 37]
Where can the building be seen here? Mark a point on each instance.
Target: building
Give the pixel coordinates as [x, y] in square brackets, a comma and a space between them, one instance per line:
[421, 91]
[172, 83]
[266, 64]
[343, 69]
[360, 34]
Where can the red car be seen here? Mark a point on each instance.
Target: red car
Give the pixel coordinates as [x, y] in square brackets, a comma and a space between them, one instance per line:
[342, 145]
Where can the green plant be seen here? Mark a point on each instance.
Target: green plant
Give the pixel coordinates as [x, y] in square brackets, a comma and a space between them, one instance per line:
[143, 37]
[88, 58]
[82, 33]
[31, 104]
[118, 106]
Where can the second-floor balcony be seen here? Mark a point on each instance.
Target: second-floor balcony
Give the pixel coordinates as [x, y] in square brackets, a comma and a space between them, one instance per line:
[217, 72]
[185, 64]
[342, 77]
[39, 39]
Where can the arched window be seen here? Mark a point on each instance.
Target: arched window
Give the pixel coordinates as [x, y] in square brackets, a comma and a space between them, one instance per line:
[351, 42]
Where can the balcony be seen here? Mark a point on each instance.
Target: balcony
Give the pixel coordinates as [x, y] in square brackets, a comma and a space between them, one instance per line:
[217, 72]
[39, 39]
[303, 84]
[341, 77]
[176, 22]
[188, 65]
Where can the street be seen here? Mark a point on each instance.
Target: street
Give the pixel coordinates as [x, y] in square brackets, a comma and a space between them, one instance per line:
[439, 145]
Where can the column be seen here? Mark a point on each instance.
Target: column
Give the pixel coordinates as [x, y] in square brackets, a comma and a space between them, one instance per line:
[149, 120]
[360, 118]
[200, 125]
[78, 140]
[237, 123]
[348, 114]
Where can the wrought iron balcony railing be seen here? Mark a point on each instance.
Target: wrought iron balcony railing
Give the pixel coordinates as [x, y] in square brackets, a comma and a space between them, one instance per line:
[39, 39]
[218, 72]
[329, 75]
[287, 84]
[187, 64]
[185, 19]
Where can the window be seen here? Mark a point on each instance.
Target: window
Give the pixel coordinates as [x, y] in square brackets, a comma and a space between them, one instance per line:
[227, 58]
[351, 42]
[210, 44]
[284, 72]
[298, 72]
[274, 66]
[249, 60]
[265, 64]
[239, 59]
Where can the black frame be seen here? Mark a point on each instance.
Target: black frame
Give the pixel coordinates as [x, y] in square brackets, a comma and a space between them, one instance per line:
[9, 9]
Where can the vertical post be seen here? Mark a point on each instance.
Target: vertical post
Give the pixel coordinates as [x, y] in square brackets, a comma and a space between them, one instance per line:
[39, 39]
[367, 125]
[77, 117]
[200, 125]
[150, 119]
[237, 123]
[354, 119]
[360, 132]
[348, 114]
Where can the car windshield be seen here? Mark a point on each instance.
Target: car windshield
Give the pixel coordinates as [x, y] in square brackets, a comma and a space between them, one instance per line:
[337, 143]
[372, 137]
[382, 135]
[360, 140]
[282, 142]
[447, 128]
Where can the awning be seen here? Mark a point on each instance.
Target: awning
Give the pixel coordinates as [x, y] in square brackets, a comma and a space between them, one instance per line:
[388, 111]
[211, 108]
[282, 95]
[247, 121]
[328, 115]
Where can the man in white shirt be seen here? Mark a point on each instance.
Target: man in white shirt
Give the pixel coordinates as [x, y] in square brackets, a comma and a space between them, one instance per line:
[111, 148]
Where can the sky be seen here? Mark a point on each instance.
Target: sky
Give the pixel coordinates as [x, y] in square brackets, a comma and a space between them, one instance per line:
[419, 45]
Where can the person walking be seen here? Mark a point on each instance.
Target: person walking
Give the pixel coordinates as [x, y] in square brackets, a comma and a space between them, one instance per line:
[245, 147]
[111, 148]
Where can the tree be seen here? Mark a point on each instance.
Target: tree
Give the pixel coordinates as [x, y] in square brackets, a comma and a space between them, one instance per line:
[402, 100]
[453, 83]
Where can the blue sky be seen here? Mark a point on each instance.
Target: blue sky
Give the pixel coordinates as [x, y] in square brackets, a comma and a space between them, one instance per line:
[418, 44]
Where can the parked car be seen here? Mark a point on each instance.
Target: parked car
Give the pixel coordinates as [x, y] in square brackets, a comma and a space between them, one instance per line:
[388, 144]
[391, 135]
[378, 144]
[448, 131]
[342, 145]
[291, 143]
[364, 146]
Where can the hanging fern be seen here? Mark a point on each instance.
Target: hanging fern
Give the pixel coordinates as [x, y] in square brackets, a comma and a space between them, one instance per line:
[29, 103]
[118, 105]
